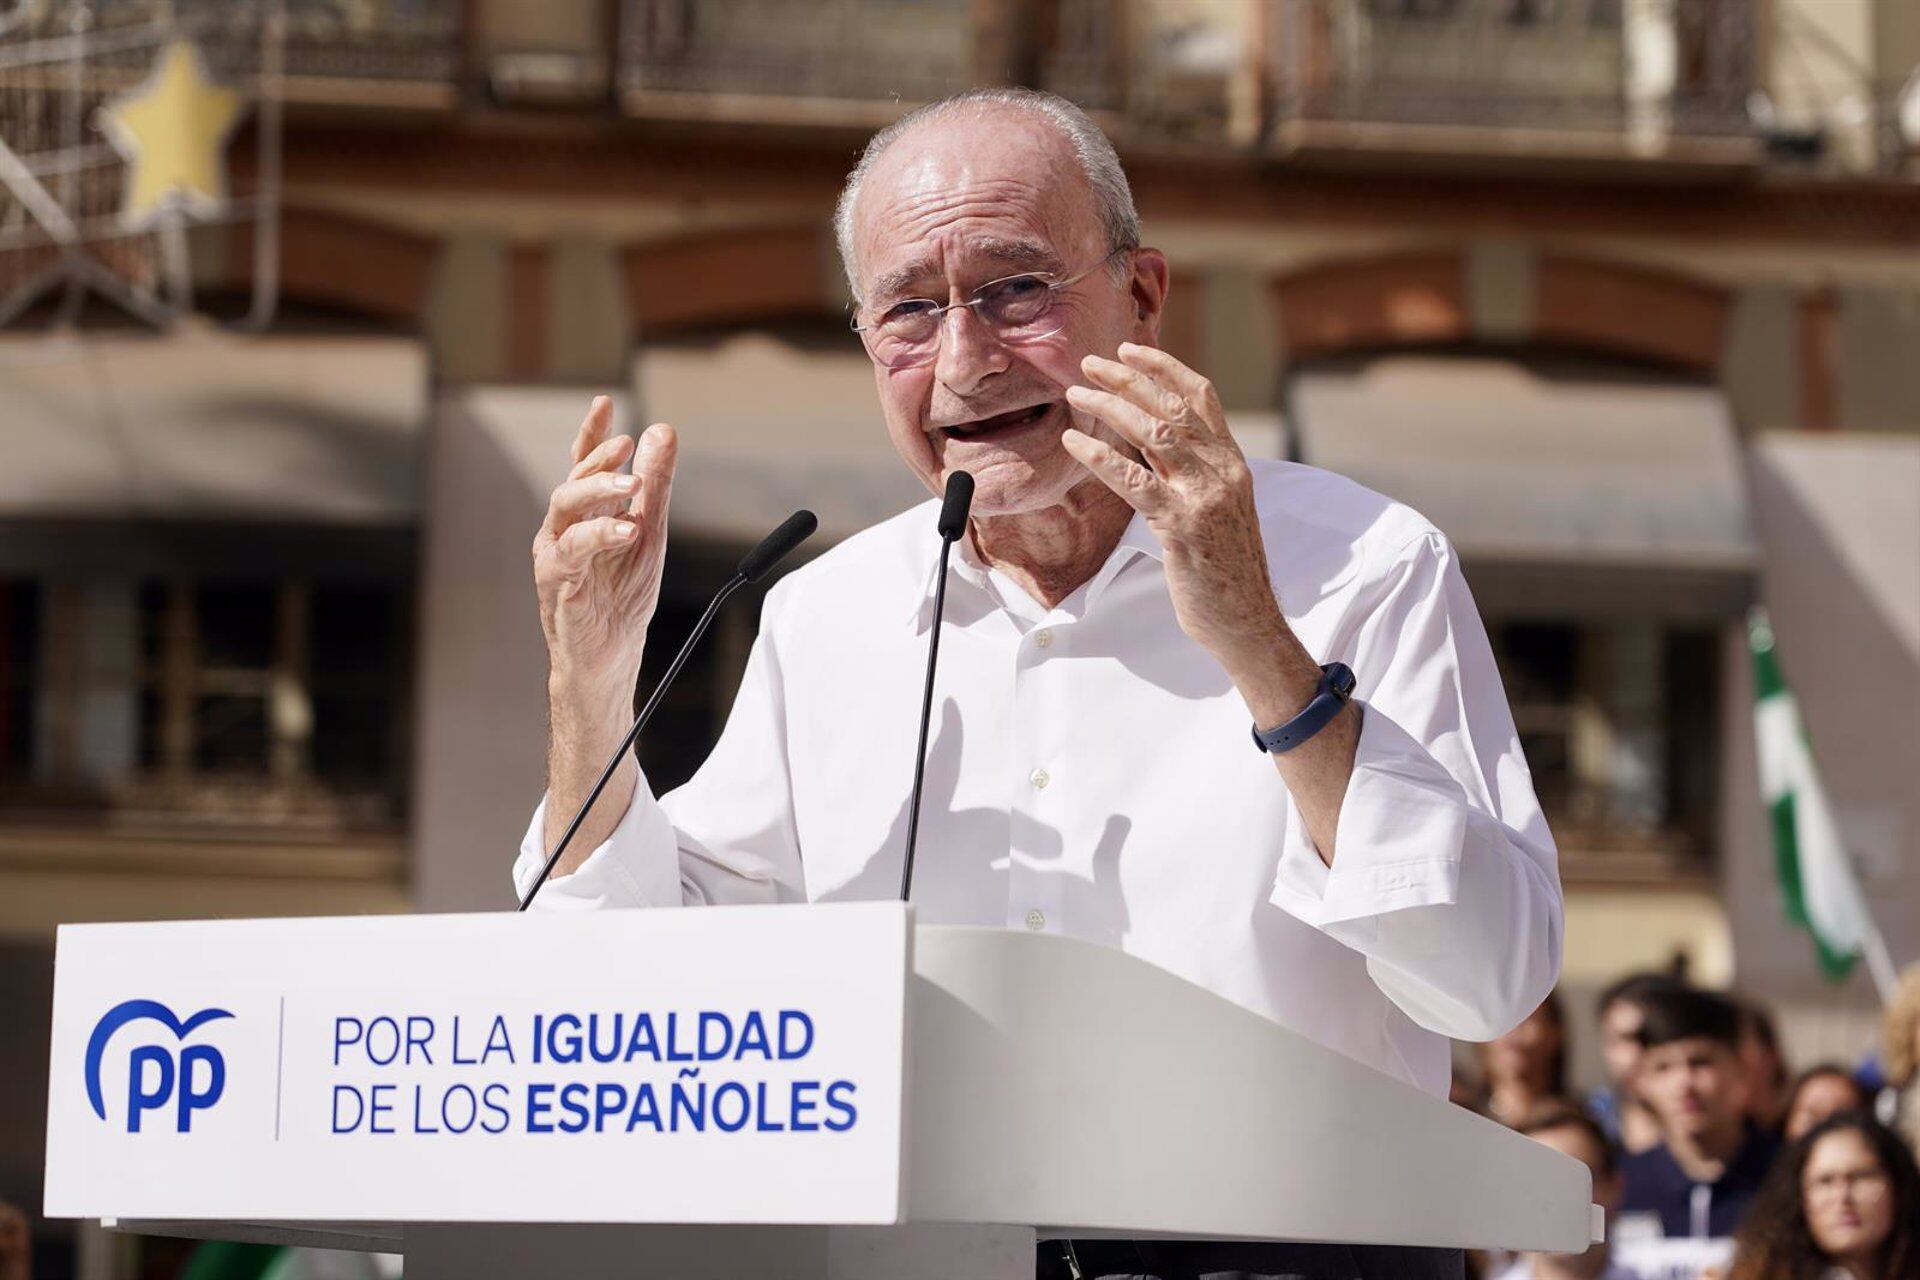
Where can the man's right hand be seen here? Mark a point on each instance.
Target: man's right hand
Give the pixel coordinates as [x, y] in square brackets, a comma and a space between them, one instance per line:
[597, 565]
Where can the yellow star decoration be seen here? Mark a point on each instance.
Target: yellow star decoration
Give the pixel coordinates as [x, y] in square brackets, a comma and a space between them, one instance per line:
[173, 129]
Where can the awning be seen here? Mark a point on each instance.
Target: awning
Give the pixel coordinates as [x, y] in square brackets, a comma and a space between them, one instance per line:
[768, 425]
[201, 424]
[1536, 467]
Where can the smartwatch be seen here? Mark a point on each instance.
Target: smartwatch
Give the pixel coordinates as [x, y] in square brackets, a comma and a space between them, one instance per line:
[1335, 691]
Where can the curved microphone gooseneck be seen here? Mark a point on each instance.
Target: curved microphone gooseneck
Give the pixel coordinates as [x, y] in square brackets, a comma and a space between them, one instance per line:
[773, 548]
[953, 523]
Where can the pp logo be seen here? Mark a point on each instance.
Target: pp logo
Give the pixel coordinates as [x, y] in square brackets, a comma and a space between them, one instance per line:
[192, 1079]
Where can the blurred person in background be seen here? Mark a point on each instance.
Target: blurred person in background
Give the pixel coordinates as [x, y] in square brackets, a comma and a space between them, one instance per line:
[1526, 1068]
[1900, 1036]
[1618, 1108]
[1764, 1065]
[1843, 1203]
[1571, 1131]
[1821, 1091]
[16, 1246]
[1683, 1199]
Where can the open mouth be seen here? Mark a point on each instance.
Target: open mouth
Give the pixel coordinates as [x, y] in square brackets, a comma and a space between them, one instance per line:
[1000, 424]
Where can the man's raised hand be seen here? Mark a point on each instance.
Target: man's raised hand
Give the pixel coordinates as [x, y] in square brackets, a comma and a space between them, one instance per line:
[1194, 487]
[597, 558]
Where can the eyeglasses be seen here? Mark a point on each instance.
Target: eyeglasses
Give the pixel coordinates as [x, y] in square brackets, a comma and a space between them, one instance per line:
[1017, 308]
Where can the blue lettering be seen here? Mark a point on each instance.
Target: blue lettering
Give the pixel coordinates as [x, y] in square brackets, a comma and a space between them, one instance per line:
[340, 1040]
[420, 1123]
[539, 1103]
[383, 1025]
[609, 1100]
[731, 1089]
[453, 1053]
[840, 1099]
[646, 1109]
[612, 1051]
[194, 1098]
[716, 1036]
[141, 1097]
[804, 1104]
[644, 1043]
[690, 1100]
[497, 1041]
[376, 1107]
[760, 1120]
[498, 1116]
[753, 1038]
[452, 1116]
[564, 1048]
[573, 1101]
[794, 1023]
[419, 1032]
[348, 1092]
[674, 1052]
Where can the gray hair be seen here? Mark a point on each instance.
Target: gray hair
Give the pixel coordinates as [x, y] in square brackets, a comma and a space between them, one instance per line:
[1112, 197]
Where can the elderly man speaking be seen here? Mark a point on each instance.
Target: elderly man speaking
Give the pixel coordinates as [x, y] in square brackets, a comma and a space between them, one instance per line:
[1133, 594]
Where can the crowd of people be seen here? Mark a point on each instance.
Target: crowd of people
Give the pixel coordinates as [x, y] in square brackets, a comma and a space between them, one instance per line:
[1713, 1160]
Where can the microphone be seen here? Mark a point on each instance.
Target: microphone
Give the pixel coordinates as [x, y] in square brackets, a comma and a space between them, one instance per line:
[773, 548]
[953, 523]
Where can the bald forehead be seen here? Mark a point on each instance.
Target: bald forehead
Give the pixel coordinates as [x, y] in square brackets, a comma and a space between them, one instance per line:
[997, 182]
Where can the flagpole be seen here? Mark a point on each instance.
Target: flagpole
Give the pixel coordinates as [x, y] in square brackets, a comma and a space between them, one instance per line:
[1873, 948]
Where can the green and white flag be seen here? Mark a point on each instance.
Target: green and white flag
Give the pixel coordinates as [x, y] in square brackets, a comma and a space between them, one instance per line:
[1817, 882]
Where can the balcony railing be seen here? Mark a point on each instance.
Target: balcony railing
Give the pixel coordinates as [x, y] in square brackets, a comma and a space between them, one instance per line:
[377, 44]
[1666, 79]
[1643, 74]
[733, 58]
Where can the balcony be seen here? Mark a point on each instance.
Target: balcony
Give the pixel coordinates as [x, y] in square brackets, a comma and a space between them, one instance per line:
[1576, 79]
[1639, 81]
[381, 53]
[834, 61]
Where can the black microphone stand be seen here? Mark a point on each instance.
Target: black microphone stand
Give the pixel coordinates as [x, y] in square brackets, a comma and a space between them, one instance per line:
[953, 523]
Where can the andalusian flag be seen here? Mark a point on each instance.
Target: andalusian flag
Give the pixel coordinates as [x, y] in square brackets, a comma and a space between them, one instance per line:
[1816, 879]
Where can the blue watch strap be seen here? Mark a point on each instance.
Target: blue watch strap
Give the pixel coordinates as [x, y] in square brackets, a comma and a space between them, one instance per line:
[1335, 691]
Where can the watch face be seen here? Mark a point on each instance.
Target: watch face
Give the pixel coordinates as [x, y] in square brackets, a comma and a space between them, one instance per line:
[1340, 679]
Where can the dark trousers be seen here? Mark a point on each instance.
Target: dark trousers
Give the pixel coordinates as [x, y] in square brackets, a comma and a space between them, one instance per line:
[1211, 1260]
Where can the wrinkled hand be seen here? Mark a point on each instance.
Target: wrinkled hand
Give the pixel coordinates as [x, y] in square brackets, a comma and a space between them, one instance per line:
[597, 558]
[1195, 490]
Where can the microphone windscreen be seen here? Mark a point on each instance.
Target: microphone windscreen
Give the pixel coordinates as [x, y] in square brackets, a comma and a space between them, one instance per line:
[953, 509]
[773, 548]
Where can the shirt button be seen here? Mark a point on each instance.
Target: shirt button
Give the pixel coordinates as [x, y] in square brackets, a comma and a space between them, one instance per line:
[1036, 921]
[1040, 778]
[1043, 638]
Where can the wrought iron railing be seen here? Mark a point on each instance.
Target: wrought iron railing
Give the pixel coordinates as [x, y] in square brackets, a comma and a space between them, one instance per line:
[882, 51]
[1646, 69]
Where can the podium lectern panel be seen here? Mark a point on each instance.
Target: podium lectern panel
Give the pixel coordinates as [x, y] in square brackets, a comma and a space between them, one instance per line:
[793, 1091]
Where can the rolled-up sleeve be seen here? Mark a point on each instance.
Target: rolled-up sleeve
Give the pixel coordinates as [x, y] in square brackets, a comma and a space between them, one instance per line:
[727, 836]
[1445, 876]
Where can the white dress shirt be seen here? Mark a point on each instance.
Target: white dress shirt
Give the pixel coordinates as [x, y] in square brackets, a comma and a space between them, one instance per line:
[1091, 773]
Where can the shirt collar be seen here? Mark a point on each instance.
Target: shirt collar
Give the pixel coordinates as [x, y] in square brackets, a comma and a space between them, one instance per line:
[1135, 540]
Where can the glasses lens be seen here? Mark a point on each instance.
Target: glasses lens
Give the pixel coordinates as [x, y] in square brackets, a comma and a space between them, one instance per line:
[905, 334]
[1016, 304]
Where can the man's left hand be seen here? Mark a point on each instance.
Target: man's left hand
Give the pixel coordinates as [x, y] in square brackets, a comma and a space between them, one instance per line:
[1196, 492]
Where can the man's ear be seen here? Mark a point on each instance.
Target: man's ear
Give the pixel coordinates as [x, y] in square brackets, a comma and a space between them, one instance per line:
[1147, 290]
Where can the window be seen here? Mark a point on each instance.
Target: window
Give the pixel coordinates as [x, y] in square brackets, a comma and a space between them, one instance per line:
[228, 700]
[1619, 723]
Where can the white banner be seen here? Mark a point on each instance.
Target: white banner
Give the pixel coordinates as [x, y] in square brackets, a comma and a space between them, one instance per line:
[739, 1064]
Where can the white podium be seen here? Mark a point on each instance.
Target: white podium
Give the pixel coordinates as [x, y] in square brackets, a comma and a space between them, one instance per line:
[809, 1091]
